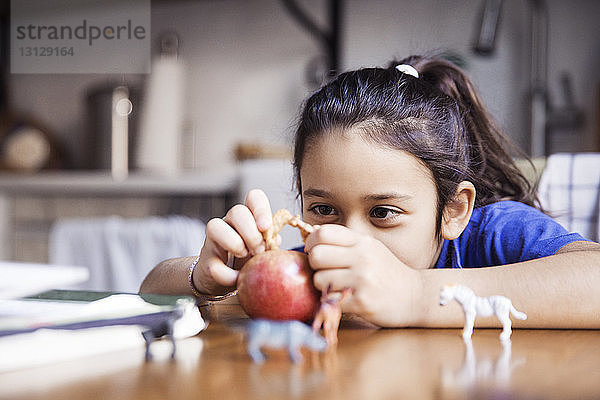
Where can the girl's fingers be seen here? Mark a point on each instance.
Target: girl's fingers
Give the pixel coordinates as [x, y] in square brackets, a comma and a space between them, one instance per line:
[258, 204]
[344, 282]
[221, 273]
[324, 256]
[332, 234]
[333, 280]
[225, 237]
[242, 220]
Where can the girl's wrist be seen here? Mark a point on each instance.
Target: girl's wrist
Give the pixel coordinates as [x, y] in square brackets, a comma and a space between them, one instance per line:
[405, 306]
[197, 289]
[191, 283]
[420, 304]
[414, 308]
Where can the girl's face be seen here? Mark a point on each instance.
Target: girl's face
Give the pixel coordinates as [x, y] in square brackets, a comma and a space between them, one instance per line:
[387, 194]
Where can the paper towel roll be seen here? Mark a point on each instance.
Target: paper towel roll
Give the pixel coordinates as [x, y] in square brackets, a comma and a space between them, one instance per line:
[159, 146]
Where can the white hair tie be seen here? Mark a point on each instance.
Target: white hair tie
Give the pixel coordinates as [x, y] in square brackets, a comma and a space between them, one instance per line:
[407, 69]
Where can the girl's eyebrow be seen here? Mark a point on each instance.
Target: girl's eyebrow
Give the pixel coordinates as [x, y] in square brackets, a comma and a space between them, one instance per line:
[368, 197]
[317, 193]
[387, 196]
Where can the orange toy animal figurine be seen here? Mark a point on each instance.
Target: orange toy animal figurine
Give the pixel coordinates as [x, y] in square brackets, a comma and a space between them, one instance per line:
[330, 314]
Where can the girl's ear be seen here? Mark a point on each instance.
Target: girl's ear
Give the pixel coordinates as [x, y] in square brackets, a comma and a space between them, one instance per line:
[458, 211]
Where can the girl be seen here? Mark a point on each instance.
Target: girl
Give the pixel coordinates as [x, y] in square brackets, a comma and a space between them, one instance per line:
[410, 185]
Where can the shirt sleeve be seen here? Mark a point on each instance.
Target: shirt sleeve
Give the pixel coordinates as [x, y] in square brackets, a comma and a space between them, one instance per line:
[508, 232]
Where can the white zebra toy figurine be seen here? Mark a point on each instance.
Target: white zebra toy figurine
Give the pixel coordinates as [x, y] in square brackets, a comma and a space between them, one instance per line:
[483, 306]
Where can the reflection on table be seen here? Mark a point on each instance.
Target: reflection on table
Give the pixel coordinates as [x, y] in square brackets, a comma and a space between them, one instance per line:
[368, 363]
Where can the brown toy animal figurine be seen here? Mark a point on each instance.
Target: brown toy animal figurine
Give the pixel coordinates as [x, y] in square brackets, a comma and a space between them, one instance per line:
[330, 314]
[277, 284]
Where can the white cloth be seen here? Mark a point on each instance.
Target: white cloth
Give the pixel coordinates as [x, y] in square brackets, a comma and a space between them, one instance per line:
[569, 191]
[120, 252]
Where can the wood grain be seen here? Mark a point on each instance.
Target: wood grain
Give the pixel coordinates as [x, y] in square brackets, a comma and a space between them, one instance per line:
[367, 364]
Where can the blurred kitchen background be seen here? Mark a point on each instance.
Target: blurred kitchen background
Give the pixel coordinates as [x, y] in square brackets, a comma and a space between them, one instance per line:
[228, 78]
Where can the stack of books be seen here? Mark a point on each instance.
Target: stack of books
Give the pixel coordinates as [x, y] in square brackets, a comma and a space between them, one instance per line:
[58, 325]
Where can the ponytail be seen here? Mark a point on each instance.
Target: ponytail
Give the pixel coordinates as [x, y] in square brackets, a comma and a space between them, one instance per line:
[495, 174]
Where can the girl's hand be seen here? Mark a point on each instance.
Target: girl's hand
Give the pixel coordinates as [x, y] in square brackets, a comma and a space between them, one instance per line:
[384, 290]
[239, 235]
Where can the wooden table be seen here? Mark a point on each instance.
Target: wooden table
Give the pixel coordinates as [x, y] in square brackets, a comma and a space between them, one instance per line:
[367, 364]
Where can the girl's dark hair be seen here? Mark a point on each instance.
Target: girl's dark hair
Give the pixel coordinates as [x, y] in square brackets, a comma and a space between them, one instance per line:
[437, 117]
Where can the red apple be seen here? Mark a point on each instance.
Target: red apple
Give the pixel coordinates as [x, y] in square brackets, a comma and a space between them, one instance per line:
[277, 284]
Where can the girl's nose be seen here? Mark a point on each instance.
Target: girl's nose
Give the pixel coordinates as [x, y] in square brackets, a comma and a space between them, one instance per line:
[357, 224]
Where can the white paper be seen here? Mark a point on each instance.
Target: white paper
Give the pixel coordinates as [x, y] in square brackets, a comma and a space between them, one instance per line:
[45, 346]
[25, 279]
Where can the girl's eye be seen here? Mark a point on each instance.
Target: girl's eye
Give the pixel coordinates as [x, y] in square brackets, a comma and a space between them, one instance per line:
[322, 210]
[384, 213]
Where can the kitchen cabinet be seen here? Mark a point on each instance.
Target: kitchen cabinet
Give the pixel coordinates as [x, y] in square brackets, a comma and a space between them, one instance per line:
[30, 204]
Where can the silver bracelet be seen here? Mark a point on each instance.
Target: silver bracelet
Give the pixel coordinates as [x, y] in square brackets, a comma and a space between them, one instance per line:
[203, 296]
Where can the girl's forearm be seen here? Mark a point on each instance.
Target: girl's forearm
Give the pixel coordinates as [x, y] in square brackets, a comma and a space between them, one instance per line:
[169, 277]
[560, 291]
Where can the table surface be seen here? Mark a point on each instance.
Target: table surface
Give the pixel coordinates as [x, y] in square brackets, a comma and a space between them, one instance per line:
[367, 364]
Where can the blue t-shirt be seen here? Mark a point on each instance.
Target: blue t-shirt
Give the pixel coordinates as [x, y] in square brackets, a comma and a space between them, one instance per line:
[502, 233]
